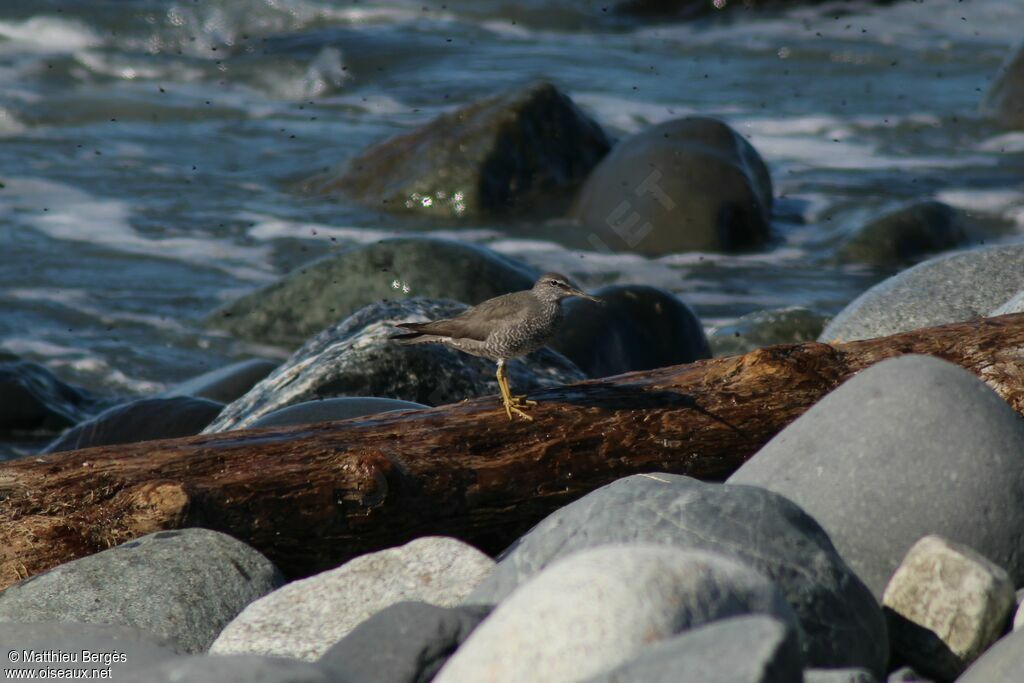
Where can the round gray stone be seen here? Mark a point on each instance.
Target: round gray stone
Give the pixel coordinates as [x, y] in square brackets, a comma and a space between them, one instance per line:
[305, 618]
[357, 358]
[1002, 663]
[180, 585]
[319, 294]
[752, 649]
[1013, 305]
[947, 289]
[635, 328]
[843, 623]
[1004, 101]
[144, 420]
[327, 409]
[32, 399]
[598, 608]
[909, 447]
[691, 184]
[906, 235]
[763, 328]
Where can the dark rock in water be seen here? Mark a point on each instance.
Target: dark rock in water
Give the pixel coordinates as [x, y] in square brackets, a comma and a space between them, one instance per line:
[33, 400]
[843, 623]
[764, 328]
[909, 447]
[144, 420]
[1004, 100]
[181, 585]
[691, 184]
[906, 235]
[946, 289]
[224, 384]
[1002, 663]
[637, 328]
[356, 358]
[405, 643]
[328, 409]
[751, 649]
[140, 649]
[509, 152]
[232, 669]
[321, 293]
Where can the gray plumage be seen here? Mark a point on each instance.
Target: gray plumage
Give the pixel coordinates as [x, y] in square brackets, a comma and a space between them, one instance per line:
[504, 327]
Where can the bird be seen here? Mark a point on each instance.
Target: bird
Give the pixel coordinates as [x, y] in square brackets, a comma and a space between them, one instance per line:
[502, 328]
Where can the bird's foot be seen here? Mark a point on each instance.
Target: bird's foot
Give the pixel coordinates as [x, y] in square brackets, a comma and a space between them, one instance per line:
[515, 404]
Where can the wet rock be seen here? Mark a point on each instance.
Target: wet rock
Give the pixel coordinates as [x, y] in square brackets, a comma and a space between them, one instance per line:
[232, 669]
[1014, 304]
[636, 328]
[356, 358]
[843, 624]
[144, 420]
[180, 585]
[598, 608]
[319, 294]
[1002, 663]
[305, 618]
[906, 235]
[690, 184]
[514, 151]
[763, 328]
[333, 409]
[754, 649]
[32, 399]
[909, 447]
[838, 676]
[946, 604]
[406, 643]
[1004, 101]
[224, 384]
[945, 289]
[140, 649]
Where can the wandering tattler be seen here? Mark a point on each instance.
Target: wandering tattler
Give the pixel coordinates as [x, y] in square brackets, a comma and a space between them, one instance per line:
[502, 328]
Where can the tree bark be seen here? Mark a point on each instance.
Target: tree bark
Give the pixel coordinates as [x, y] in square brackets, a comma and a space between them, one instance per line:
[313, 496]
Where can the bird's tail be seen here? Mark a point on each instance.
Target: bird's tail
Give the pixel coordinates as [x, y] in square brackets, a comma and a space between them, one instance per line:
[417, 334]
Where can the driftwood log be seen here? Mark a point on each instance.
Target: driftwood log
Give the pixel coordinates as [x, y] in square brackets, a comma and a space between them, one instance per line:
[313, 496]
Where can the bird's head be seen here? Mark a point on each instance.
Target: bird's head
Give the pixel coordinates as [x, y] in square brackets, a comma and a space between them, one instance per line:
[555, 287]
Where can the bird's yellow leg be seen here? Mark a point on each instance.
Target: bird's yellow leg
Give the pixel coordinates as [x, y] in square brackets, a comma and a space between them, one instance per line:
[513, 404]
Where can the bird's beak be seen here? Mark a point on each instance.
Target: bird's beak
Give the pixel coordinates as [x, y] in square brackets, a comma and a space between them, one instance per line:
[584, 295]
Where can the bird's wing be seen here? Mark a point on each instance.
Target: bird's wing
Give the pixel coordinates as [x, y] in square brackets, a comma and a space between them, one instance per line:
[480, 320]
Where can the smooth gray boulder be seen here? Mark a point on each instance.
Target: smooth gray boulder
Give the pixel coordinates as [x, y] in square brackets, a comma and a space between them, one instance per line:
[906, 235]
[755, 330]
[691, 184]
[407, 642]
[946, 289]
[909, 447]
[306, 617]
[319, 294]
[32, 399]
[147, 419]
[120, 648]
[946, 604]
[517, 151]
[636, 328]
[753, 649]
[356, 358]
[1002, 663]
[599, 608]
[224, 384]
[180, 585]
[327, 409]
[232, 669]
[1014, 304]
[843, 624]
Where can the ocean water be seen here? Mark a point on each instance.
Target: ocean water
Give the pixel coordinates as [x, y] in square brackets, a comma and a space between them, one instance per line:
[148, 147]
